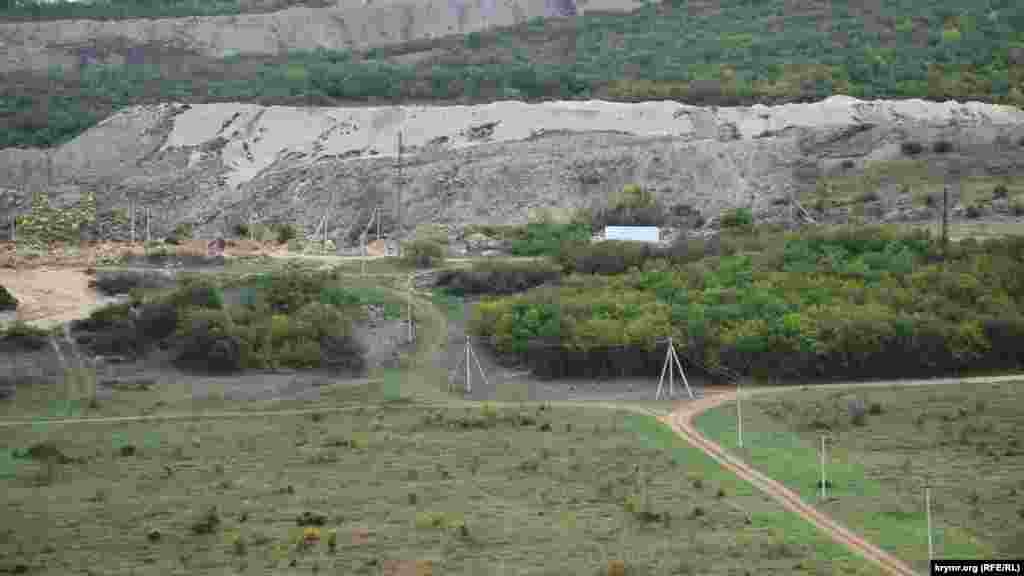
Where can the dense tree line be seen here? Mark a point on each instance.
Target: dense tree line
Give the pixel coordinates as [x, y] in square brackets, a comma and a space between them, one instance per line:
[849, 303]
[928, 49]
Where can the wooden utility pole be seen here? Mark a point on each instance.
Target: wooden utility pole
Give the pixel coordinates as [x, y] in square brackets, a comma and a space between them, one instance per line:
[131, 207]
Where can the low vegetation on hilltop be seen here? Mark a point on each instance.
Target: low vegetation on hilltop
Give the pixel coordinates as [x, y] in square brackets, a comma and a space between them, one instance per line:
[737, 53]
[844, 303]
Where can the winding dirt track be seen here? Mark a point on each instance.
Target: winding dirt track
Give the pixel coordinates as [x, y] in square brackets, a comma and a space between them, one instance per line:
[681, 421]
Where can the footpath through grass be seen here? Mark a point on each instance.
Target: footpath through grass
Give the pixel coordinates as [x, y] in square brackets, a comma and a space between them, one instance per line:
[963, 439]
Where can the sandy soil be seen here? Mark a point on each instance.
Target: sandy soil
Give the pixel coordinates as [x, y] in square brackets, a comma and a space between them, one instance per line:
[50, 296]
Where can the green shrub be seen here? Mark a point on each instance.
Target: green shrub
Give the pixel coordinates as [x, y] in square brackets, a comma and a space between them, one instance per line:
[156, 321]
[292, 288]
[498, 278]
[7, 300]
[607, 257]
[547, 238]
[870, 196]
[911, 148]
[241, 230]
[183, 231]
[1000, 191]
[105, 317]
[942, 147]
[1017, 206]
[738, 218]
[633, 206]
[423, 254]
[26, 336]
[207, 341]
[198, 292]
[286, 233]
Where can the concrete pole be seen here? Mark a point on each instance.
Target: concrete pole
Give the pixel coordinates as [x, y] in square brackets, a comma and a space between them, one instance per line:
[468, 385]
[824, 494]
[409, 301]
[739, 410]
[928, 515]
[398, 190]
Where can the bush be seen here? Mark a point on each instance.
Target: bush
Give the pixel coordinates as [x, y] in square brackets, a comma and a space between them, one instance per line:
[1017, 206]
[207, 341]
[241, 230]
[292, 288]
[7, 300]
[423, 254]
[184, 230]
[286, 233]
[123, 282]
[738, 218]
[633, 206]
[198, 293]
[607, 257]
[911, 148]
[547, 238]
[942, 147]
[26, 336]
[973, 211]
[120, 338]
[156, 321]
[870, 196]
[1000, 191]
[498, 278]
[104, 318]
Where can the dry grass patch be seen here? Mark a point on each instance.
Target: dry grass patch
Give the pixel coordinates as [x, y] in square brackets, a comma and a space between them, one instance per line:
[476, 509]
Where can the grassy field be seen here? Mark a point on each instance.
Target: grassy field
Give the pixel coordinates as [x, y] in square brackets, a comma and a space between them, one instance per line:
[474, 491]
[964, 437]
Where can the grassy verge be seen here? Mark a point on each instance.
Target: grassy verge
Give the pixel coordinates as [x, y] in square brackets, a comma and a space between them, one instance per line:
[961, 438]
[474, 491]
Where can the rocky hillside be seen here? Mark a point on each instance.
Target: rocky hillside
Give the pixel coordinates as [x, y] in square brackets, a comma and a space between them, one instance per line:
[211, 164]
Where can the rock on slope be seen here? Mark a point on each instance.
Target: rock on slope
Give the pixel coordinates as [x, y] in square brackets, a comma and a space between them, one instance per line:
[490, 163]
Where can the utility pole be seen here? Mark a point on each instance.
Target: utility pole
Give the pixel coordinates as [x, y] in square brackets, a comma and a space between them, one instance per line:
[945, 220]
[131, 207]
[928, 515]
[398, 189]
[739, 410]
[824, 493]
[409, 298]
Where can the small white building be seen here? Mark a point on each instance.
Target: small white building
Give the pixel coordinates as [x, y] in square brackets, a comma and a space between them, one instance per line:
[651, 234]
